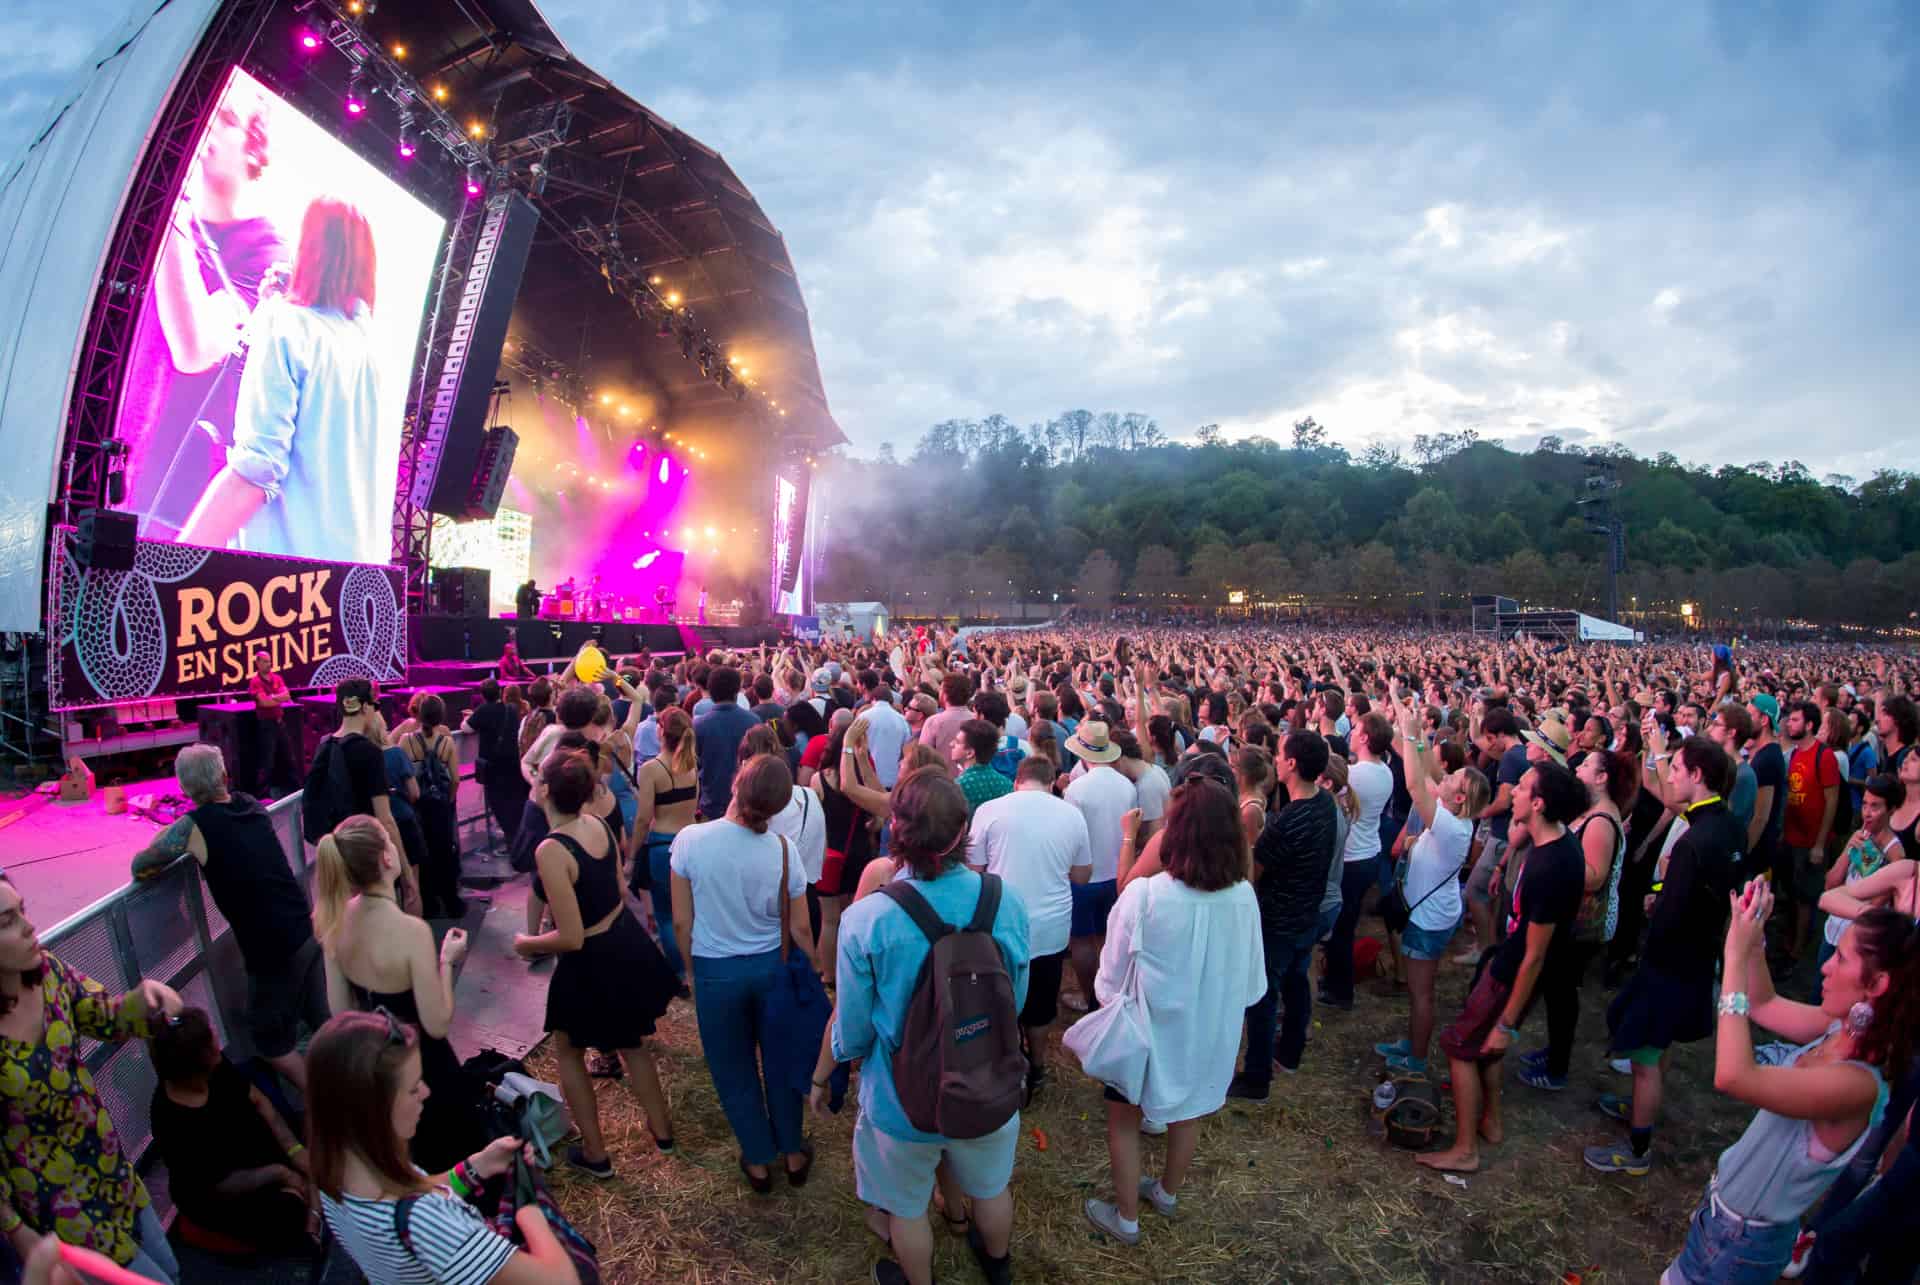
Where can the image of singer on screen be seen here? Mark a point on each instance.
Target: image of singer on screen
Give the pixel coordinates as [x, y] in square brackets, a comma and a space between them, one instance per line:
[307, 421]
[219, 258]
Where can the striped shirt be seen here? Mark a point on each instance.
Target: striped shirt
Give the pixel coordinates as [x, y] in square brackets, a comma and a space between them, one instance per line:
[452, 1244]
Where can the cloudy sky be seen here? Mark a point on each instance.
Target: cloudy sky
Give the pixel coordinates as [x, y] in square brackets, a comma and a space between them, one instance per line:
[1683, 226]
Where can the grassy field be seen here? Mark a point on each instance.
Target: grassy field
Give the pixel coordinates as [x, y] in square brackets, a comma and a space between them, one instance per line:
[1294, 1190]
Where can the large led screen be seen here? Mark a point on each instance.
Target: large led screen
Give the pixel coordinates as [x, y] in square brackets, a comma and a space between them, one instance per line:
[263, 402]
[792, 592]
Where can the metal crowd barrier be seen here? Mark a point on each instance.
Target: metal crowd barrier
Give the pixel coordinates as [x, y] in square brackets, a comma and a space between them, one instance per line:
[168, 929]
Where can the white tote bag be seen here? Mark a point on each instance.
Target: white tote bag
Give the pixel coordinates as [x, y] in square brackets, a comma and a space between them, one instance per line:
[1112, 1041]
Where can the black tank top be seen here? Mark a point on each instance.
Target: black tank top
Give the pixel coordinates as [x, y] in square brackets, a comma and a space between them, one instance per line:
[597, 886]
[247, 874]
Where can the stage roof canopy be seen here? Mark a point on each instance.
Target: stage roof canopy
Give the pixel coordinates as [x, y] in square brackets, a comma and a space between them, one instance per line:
[673, 207]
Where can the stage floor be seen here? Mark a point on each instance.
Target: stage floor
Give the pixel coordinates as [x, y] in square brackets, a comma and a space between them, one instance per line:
[63, 857]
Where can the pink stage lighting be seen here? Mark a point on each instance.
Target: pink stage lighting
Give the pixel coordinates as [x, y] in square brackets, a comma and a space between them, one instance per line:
[309, 41]
[665, 472]
[406, 149]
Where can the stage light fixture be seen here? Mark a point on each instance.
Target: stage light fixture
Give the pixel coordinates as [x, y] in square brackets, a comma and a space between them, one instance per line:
[733, 361]
[309, 40]
[606, 399]
[408, 144]
[400, 52]
[653, 280]
[473, 179]
[673, 298]
[476, 129]
[357, 93]
[439, 93]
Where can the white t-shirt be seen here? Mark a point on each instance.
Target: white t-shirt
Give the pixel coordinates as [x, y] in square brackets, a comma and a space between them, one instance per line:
[452, 1243]
[1434, 867]
[1032, 841]
[887, 735]
[1153, 789]
[1372, 785]
[805, 825]
[1104, 797]
[735, 875]
[1016, 725]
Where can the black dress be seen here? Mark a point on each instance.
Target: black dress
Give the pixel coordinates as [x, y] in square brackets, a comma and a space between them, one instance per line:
[204, 1145]
[610, 992]
[848, 835]
[452, 1124]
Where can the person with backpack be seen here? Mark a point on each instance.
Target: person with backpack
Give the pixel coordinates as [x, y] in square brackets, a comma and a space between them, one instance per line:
[496, 725]
[349, 778]
[437, 769]
[1184, 950]
[932, 976]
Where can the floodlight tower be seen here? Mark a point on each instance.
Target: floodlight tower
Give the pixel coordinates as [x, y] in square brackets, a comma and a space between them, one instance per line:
[1603, 519]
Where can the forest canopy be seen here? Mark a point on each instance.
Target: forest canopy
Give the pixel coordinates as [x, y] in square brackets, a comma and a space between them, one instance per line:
[1103, 509]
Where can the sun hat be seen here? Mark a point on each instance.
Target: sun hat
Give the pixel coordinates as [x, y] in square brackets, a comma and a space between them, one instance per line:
[1551, 736]
[1092, 744]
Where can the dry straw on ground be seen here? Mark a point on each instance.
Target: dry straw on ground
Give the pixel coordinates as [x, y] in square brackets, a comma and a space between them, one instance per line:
[1294, 1190]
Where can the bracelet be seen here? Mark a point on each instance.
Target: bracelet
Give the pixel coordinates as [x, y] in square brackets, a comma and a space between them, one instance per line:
[458, 1179]
[1734, 1004]
[1511, 1032]
[821, 1084]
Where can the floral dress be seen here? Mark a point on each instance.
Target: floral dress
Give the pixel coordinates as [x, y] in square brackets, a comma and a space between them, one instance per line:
[64, 1170]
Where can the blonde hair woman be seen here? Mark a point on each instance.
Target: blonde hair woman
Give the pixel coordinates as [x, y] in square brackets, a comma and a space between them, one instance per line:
[378, 956]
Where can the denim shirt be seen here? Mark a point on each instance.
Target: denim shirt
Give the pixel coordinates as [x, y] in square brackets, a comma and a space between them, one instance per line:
[314, 429]
[881, 951]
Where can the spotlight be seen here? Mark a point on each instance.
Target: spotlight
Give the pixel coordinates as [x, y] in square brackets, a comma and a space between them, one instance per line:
[356, 93]
[606, 399]
[477, 129]
[439, 93]
[400, 52]
[673, 298]
[473, 179]
[309, 40]
[653, 280]
[407, 143]
[734, 361]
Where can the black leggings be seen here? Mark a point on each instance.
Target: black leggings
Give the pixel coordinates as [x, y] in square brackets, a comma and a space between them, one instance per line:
[1560, 992]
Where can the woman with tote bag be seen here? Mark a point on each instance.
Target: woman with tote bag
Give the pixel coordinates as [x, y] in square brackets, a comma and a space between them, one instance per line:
[1182, 962]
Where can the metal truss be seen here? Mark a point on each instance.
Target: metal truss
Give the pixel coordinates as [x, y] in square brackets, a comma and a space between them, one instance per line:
[115, 312]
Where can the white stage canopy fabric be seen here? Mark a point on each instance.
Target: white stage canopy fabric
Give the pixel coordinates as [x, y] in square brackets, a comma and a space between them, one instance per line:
[60, 201]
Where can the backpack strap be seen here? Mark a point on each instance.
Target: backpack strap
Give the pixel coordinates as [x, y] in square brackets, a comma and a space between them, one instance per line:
[985, 909]
[908, 898]
[403, 1224]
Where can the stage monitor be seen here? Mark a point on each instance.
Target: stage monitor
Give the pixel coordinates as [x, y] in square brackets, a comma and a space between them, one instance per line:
[792, 591]
[268, 380]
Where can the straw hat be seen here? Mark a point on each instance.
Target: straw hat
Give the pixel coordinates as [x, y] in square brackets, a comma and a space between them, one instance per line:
[1092, 745]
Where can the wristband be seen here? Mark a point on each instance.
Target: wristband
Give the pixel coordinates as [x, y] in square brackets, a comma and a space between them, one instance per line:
[1734, 1004]
[1511, 1032]
[461, 1181]
[296, 1149]
[821, 1084]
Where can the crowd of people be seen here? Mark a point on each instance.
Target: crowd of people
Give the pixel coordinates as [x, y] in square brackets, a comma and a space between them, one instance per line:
[930, 845]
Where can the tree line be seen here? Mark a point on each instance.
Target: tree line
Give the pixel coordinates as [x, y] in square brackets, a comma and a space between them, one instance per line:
[1104, 509]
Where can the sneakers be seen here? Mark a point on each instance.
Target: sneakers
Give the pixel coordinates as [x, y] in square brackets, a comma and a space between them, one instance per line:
[1616, 1106]
[1403, 1065]
[1397, 1048]
[1534, 1057]
[998, 1271]
[1620, 1066]
[1252, 1092]
[601, 1169]
[1802, 1252]
[1619, 1160]
[1163, 1201]
[1536, 1077]
[1105, 1216]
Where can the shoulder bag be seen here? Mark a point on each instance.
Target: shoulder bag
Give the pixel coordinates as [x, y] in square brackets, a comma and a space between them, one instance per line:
[1114, 1041]
[793, 1012]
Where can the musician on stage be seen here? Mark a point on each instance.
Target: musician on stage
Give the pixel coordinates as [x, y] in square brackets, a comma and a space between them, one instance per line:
[219, 259]
[526, 602]
[663, 600]
[271, 748]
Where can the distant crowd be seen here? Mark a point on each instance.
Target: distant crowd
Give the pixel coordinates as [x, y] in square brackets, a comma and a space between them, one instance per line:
[883, 869]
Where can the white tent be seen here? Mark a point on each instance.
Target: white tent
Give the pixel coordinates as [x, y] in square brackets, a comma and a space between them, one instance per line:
[60, 201]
